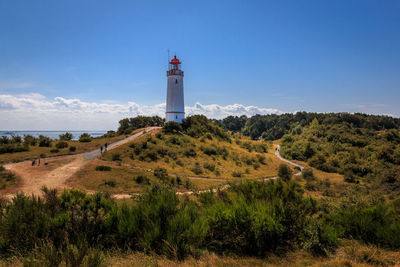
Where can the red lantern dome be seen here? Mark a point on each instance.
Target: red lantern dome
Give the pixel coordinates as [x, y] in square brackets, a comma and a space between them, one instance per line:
[175, 61]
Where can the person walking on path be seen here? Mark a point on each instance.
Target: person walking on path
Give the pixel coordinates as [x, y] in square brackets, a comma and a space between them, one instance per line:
[101, 150]
[105, 146]
[39, 162]
[33, 162]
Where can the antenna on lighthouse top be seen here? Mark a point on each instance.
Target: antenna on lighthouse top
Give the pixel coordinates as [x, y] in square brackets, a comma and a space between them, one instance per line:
[168, 56]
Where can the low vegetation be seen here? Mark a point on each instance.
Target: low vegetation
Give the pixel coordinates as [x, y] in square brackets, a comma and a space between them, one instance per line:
[250, 219]
[7, 178]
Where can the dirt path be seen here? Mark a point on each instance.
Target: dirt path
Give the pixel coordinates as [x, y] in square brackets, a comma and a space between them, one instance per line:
[56, 172]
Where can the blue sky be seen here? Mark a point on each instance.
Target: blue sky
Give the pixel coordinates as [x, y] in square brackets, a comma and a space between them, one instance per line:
[283, 56]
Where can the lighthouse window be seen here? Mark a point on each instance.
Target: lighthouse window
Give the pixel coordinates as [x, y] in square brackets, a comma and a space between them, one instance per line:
[176, 116]
[176, 80]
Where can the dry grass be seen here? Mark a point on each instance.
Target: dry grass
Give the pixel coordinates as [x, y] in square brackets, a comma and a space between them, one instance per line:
[88, 178]
[352, 254]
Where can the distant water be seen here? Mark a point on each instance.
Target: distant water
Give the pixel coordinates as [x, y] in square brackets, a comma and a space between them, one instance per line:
[51, 134]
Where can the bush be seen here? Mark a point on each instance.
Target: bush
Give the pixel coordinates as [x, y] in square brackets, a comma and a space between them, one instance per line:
[237, 174]
[44, 141]
[85, 138]
[103, 168]
[161, 173]
[190, 152]
[66, 137]
[55, 150]
[116, 157]
[72, 148]
[378, 224]
[110, 182]
[142, 179]
[284, 172]
[197, 169]
[61, 144]
[258, 218]
[209, 166]
[30, 140]
[308, 174]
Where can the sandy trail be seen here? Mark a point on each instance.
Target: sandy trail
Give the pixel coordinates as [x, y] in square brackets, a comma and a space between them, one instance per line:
[56, 172]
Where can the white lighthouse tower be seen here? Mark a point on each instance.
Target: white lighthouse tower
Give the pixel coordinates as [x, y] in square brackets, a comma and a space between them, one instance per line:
[175, 105]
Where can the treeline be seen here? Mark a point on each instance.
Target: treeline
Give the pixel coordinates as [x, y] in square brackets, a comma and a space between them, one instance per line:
[252, 218]
[271, 127]
[127, 125]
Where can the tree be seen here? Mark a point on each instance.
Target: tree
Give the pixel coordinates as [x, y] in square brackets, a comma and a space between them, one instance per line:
[284, 172]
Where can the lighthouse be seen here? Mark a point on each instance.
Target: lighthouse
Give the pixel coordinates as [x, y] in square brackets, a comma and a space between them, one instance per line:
[175, 110]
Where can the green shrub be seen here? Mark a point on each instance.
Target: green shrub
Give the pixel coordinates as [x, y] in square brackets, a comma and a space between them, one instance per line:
[377, 224]
[30, 140]
[142, 179]
[159, 136]
[103, 168]
[161, 173]
[190, 152]
[209, 166]
[72, 148]
[197, 169]
[116, 157]
[61, 144]
[236, 174]
[85, 138]
[44, 141]
[110, 182]
[284, 172]
[66, 137]
[55, 150]
[308, 174]
[180, 163]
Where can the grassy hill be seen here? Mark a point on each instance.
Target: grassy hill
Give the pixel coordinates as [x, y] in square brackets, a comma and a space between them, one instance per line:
[193, 158]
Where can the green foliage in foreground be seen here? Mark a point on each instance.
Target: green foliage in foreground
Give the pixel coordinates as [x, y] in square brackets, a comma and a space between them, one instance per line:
[249, 219]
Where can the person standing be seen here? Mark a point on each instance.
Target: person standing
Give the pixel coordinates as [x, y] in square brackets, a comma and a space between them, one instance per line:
[101, 149]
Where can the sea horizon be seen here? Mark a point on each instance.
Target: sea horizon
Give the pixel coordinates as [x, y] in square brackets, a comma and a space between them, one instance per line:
[53, 134]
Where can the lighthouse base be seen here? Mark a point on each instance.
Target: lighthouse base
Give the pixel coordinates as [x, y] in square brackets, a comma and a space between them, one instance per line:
[174, 116]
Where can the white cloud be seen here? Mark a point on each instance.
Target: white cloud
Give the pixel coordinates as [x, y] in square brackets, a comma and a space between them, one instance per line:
[36, 112]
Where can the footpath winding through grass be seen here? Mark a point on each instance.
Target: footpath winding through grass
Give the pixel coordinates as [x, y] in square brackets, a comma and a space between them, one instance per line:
[56, 171]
